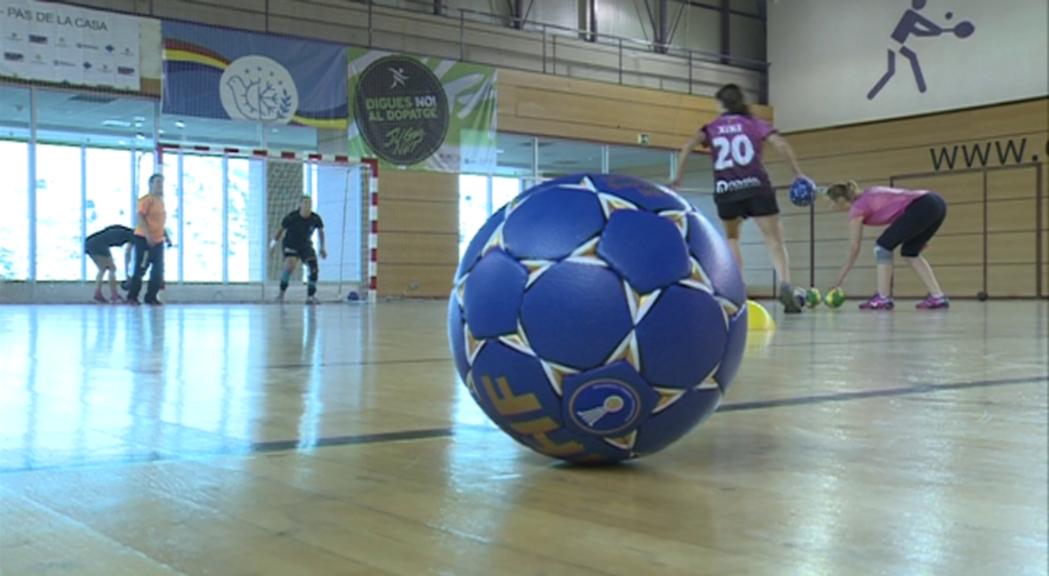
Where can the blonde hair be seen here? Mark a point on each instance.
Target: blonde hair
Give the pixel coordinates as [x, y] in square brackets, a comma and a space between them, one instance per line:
[847, 190]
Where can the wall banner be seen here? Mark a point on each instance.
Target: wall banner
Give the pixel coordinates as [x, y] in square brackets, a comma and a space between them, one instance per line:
[422, 113]
[61, 44]
[235, 75]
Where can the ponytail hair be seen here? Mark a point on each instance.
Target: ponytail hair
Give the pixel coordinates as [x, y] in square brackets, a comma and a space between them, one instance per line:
[732, 100]
[847, 190]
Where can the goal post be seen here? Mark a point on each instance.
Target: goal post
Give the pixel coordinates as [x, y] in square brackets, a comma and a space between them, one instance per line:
[238, 213]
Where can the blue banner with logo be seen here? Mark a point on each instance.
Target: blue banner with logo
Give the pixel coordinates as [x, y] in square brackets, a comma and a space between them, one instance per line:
[230, 74]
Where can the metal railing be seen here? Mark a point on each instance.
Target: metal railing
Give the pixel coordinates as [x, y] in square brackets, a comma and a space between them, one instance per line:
[520, 43]
[465, 15]
[665, 66]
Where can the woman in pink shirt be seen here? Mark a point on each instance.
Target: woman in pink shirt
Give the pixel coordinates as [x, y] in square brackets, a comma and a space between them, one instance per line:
[912, 217]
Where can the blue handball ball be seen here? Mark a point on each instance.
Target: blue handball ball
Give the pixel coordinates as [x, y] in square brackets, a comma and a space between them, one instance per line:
[597, 318]
[802, 191]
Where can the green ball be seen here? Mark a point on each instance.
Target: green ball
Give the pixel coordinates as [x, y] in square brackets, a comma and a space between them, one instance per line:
[812, 297]
[835, 298]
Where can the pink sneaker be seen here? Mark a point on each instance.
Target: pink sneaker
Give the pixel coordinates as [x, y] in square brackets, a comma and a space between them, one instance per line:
[878, 302]
[933, 303]
[100, 298]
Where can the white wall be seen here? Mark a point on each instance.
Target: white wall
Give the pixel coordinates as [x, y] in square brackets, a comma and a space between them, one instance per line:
[499, 7]
[700, 30]
[826, 55]
[748, 6]
[624, 18]
[557, 12]
[746, 38]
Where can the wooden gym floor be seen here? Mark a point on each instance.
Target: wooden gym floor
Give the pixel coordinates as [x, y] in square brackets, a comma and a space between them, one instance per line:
[336, 440]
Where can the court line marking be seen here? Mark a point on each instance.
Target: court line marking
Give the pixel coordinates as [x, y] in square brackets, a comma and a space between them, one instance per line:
[444, 360]
[294, 365]
[877, 393]
[280, 446]
[907, 340]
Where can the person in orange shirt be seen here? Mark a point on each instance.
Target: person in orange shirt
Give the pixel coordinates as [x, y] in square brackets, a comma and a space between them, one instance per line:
[148, 243]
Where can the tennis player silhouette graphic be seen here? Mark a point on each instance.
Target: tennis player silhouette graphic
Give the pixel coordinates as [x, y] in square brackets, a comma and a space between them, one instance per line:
[913, 23]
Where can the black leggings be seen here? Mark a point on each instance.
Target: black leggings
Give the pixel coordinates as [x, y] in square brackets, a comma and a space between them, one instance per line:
[916, 226]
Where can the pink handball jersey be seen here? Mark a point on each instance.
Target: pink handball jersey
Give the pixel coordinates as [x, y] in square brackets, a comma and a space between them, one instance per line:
[881, 205]
[735, 143]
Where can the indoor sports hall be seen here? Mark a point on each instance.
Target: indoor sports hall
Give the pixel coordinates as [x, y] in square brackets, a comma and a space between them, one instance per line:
[524, 287]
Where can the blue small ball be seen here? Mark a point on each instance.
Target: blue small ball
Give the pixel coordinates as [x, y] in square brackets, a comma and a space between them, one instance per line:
[597, 318]
[802, 191]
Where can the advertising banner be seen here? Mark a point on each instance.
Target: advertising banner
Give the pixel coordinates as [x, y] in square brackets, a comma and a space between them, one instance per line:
[230, 74]
[422, 113]
[50, 42]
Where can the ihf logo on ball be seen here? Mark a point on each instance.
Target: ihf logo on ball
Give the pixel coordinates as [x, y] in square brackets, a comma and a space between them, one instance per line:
[604, 407]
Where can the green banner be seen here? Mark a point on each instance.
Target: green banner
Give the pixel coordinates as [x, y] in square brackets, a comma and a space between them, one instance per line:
[422, 113]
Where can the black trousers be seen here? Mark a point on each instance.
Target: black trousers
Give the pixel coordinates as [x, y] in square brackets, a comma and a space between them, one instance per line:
[916, 226]
[151, 258]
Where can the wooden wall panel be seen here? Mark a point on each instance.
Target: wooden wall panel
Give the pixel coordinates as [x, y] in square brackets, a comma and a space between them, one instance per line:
[977, 124]
[965, 249]
[1044, 232]
[419, 249]
[901, 151]
[878, 165]
[757, 277]
[955, 188]
[563, 107]
[1012, 184]
[423, 186]
[1011, 215]
[1011, 280]
[415, 281]
[1011, 247]
[962, 219]
[963, 281]
[1045, 275]
[418, 233]
[830, 256]
[419, 216]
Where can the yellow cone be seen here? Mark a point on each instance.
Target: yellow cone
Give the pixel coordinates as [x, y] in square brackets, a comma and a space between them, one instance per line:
[758, 318]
